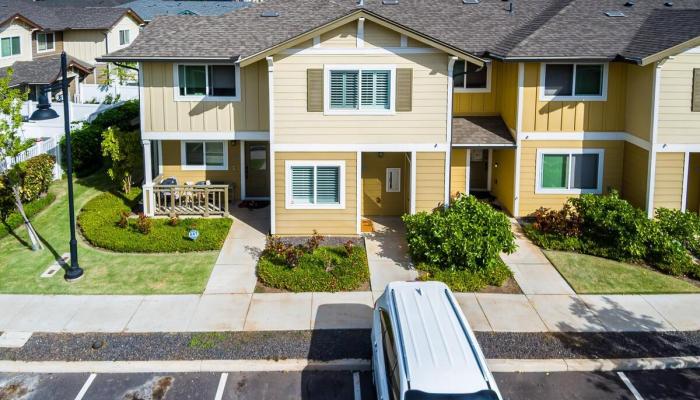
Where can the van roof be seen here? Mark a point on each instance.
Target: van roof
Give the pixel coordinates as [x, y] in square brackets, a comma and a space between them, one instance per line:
[439, 354]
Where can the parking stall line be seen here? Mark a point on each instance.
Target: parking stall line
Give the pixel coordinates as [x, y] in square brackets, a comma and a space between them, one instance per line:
[85, 387]
[630, 386]
[222, 385]
[356, 385]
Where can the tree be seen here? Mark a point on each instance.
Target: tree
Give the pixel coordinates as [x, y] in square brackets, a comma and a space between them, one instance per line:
[124, 150]
[12, 144]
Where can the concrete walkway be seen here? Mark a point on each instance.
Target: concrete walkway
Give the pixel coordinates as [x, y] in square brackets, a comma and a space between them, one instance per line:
[387, 253]
[234, 272]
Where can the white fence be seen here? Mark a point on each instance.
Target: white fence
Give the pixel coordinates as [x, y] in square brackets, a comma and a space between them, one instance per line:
[42, 146]
[96, 93]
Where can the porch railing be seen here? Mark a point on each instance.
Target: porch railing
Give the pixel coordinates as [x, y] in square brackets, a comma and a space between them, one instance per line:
[175, 200]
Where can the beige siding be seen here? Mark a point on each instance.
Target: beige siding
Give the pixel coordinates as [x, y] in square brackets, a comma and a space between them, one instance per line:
[85, 45]
[677, 123]
[638, 111]
[668, 189]
[379, 36]
[458, 171]
[172, 166]
[25, 42]
[426, 123]
[342, 37]
[634, 175]
[327, 222]
[574, 116]
[531, 201]
[125, 23]
[430, 180]
[164, 114]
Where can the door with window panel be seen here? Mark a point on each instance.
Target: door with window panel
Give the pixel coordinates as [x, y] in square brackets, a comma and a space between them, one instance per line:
[257, 170]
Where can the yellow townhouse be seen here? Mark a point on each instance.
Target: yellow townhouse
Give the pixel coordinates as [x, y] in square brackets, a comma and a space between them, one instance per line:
[336, 111]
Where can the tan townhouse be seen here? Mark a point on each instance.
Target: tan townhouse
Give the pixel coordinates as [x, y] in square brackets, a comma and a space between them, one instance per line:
[337, 111]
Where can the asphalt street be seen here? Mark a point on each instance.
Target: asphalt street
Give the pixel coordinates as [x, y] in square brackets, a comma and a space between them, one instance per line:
[351, 385]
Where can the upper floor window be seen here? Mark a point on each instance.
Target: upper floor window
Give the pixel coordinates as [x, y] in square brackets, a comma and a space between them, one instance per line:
[45, 42]
[359, 90]
[468, 77]
[124, 38]
[207, 82]
[10, 46]
[574, 81]
[569, 171]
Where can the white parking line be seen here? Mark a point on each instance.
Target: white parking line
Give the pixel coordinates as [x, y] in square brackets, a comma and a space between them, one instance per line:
[222, 385]
[630, 386]
[85, 387]
[356, 384]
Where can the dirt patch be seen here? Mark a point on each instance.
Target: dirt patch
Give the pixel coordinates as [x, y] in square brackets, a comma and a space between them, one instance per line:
[510, 286]
[155, 389]
[18, 387]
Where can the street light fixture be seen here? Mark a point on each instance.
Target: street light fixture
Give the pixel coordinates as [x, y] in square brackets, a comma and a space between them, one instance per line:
[44, 112]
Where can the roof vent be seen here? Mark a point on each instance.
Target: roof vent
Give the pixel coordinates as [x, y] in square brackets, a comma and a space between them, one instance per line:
[614, 13]
[268, 14]
[470, 1]
[390, 2]
[668, 4]
[630, 3]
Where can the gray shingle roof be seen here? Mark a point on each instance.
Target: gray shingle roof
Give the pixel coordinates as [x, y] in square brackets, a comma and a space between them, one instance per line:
[149, 9]
[481, 131]
[43, 70]
[62, 18]
[535, 28]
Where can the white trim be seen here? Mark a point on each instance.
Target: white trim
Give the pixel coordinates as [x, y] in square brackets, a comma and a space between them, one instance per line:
[692, 50]
[242, 162]
[363, 51]
[518, 139]
[604, 84]
[651, 172]
[183, 156]
[316, 42]
[364, 147]
[53, 43]
[359, 191]
[20, 46]
[684, 199]
[128, 37]
[448, 154]
[327, 110]
[389, 172]
[147, 161]
[404, 41]
[271, 126]
[160, 157]
[581, 136]
[489, 172]
[486, 89]
[360, 41]
[313, 163]
[207, 97]
[485, 145]
[147, 196]
[676, 147]
[468, 171]
[568, 152]
[258, 136]
[413, 182]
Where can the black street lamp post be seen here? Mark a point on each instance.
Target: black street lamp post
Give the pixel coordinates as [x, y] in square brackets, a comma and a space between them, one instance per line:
[44, 112]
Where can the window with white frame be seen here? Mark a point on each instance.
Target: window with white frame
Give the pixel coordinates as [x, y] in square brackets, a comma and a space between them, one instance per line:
[124, 37]
[198, 81]
[358, 89]
[315, 184]
[574, 81]
[204, 155]
[45, 41]
[468, 77]
[10, 46]
[564, 171]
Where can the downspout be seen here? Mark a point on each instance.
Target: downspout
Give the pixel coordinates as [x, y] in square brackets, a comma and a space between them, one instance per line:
[450, 92]
[106, 52]
[518, 140]
[651, 172]
[271, 128]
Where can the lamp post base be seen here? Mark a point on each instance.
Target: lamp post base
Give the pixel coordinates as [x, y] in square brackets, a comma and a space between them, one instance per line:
[73, 274]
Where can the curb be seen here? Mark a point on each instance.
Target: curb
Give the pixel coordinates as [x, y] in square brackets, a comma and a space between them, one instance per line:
[297, 365]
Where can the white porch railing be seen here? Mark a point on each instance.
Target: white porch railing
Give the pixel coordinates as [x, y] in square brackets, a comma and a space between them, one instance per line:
[176, 200]
[45, 146]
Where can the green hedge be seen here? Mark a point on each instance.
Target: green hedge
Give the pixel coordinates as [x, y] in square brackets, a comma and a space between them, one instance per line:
[326, 269]
[99, 218]
[463, 280]
[14, 220]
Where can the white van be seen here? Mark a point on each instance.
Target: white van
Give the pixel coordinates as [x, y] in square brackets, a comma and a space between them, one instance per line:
[424, 349]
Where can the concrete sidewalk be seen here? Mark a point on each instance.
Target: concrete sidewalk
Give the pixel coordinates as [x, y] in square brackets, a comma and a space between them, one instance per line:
[345, 310]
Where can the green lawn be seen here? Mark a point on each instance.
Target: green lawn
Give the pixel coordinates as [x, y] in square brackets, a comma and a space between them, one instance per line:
[105, 272]
[594, 275]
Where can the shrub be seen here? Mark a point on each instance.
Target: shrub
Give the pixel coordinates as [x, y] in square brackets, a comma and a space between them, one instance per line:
[564, 222]
[124, 117]
[12, 220]
[552, 241]
[464, 280]
[87, 153]
[174, 221]
[667, 254]
[36, 176]
[349, 247]
[469, 234]
[144, 224]
[682, 226]
[313, 242]
[123, 150]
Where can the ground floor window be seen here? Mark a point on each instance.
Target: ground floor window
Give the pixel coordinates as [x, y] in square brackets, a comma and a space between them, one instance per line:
[204, 155]
[315, 184]
[565, 171]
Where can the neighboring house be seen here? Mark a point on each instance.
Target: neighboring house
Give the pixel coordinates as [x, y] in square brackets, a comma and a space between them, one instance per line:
[149, 9]
[32, 36]
[335, 111]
